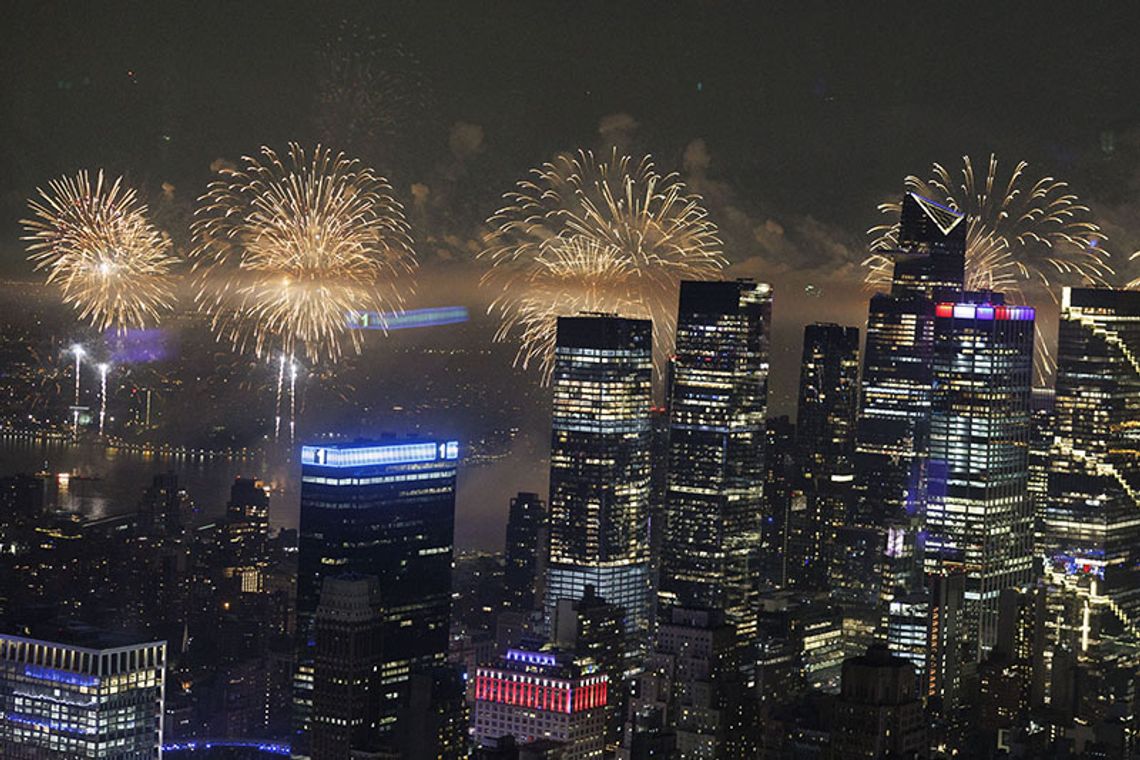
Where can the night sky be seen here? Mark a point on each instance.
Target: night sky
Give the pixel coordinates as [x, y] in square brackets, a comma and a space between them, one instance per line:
[793, 120]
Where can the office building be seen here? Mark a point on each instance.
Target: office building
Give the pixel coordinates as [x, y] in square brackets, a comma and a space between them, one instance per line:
[878, 713]
[892, 435]
[93, 696]
[979, 519]
[385, 509]
[600, 469]
[718, 399]
[544, 695]
[1090, 513]
[825, 433]
[525, 551]
[592, 628]
[347, 657]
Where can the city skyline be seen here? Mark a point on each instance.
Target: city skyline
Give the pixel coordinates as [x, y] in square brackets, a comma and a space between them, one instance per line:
[569, 382]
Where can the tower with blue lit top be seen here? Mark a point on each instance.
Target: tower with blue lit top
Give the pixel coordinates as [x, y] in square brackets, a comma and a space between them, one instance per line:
[383, 509]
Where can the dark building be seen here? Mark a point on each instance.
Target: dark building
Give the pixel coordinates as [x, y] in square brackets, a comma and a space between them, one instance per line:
[525, 551]
[979, 519]
[718, 399]
[592, 628]
[878, 713]
[347, 656]
[165, 508]
[433, 715]
[385, 509]
[825, 432]
[247, 534]
[21, 499]
[782, 495]
[600, 468]
[892, 435]
[1090, 532]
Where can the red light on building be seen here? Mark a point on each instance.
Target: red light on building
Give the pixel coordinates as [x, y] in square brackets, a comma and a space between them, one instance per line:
[944, 310]
[527, 691]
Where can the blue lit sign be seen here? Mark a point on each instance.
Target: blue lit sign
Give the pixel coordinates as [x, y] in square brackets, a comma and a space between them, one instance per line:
[370, 454]
[535, 658]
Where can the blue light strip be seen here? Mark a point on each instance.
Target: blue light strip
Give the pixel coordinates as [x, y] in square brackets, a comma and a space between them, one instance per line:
[59, 676]
[365, 455]
[270, 748]
[51, 725]
[392, 320]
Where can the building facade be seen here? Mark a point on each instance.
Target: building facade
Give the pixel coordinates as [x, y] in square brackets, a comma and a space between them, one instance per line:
[825, 432]
[347, 657]
[526, 533]
[92, 698]
[718, 400]
[600, 468]
[536, 696]
[979, 519]
[1090, 512]
[385, 509]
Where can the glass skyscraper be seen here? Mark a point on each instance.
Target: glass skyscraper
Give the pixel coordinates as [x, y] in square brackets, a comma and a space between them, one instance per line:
[979, 518]
[718, 400]
[1090, 513]
[385, 509]
[892, 435]
[600, 468]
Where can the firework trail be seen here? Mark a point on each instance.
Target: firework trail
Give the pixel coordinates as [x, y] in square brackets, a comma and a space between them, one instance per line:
[1021, 234]
[582, 234]
[99, 249]
[102, 395]
[286, 247]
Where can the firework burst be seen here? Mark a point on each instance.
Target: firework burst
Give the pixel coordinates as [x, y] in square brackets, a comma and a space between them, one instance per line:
[99, 249]
[586, 235]
[1019, 231]
[286, 247]
[1021, 234]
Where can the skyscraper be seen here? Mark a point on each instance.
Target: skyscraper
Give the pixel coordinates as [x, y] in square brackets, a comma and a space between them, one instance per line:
[526, 531]
[825, 431]
[878, 713]
[346, 667]
[385, 509]
[599, 468]
[979, 519]
[892, 436]
[718, 399]
[1090, 515]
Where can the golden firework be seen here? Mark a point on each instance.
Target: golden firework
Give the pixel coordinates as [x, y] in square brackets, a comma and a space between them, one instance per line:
[99, 249]
[285, 248]
[1019, 234]
[586, 235]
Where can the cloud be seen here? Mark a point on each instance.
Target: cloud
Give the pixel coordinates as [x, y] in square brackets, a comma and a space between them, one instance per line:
[617, 130]
[696, 159]
[465, 140]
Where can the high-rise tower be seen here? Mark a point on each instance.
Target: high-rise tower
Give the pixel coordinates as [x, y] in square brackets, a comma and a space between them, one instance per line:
[385, 509]
[718, 399]
[1090, 518]
[979, 519]
[825, 433]
[526, 531]
[600, 468]
[892, 435]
